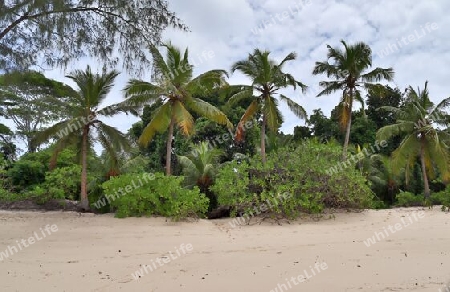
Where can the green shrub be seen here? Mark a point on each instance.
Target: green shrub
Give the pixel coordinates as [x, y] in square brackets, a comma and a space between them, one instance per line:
[379, 204]
[300, 172]
[60, 183]
[25, 173]
[162, 195]
[442, 198]
[6, 196]
[64, 182]
[407, 199]
[37, 194]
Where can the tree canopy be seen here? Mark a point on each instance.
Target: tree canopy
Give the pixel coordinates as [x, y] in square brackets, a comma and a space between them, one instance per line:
[43, 32]
[32, 101]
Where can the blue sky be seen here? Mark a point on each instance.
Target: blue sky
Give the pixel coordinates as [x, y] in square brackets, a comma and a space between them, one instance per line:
[410, 36]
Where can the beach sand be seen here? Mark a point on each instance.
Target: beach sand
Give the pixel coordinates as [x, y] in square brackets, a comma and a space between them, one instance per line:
[100, 253]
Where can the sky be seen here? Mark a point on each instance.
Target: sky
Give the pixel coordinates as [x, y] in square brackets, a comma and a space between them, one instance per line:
[409, 36]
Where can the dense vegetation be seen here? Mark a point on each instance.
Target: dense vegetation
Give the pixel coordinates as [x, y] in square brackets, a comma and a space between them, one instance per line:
[209, 138]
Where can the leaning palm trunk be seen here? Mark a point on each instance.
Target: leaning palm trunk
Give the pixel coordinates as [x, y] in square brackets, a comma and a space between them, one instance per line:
[347, 138]
[84, 198]
[263, 139]
[169, 147]
[424, 172]
[348, 128]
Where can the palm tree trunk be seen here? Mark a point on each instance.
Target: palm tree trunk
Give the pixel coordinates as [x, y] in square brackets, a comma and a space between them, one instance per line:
[84, 197]
[349, 125]
[424, 173]
[169, 147]
[263, 139]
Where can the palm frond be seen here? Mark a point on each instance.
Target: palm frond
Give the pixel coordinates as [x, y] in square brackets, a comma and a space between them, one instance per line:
[93, 87]
[183, 118]
[378, 74]
[113, 141]
[208, 111]
[330, 87]
[116, 138]
[207, 82]
[58, 131]
[159, 124]
[290, 57]
[245, 92]
[139, 92]
[326, 68]
[249, 113]
[405, 155]
[121, 107]
[273, 115]
[389, 131]
[297, 109]
[159, 65]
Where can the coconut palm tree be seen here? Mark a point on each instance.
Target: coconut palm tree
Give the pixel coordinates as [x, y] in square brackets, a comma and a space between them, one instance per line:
[174, 86]
[267, 79]
[348, 69]
[83, 126]
[418, 121]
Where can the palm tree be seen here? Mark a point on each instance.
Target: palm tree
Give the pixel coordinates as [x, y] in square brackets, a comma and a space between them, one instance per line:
[176, 88]
[417, 121]
[82, 127]
[267, 78]
[200, 167]
[347, 68]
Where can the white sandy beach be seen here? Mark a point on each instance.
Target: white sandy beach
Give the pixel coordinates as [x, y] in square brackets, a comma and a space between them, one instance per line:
[99, 253]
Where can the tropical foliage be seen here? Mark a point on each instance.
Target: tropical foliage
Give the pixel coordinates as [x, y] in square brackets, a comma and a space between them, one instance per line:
[418, 122]
[163, 195]
[200, 167]
[299, 171]
[204, 132]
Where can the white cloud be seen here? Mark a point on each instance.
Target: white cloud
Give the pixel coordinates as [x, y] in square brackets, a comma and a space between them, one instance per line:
[225, 27]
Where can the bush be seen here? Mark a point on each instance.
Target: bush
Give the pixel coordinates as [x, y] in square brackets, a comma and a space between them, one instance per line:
[25, 173]
[61, 183]
[407, 199]
[64, 182]
[8, 196]
[300, 172]
[442, 198]
[148, 194]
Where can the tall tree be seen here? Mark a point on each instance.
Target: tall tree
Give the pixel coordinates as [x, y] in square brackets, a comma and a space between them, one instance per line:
[267, 78]
[322, 127]
[348, 69]
[392, 97]
[32, 101]
[417, 122]
[83, 126]
[8, 149]
[54, 32]
[174, 86]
